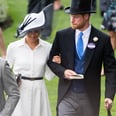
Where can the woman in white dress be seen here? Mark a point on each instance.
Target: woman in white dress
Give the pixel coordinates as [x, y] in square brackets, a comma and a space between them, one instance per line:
[28, 57]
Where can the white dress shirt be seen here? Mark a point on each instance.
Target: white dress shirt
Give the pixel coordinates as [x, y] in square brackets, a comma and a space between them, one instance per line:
[85, 36]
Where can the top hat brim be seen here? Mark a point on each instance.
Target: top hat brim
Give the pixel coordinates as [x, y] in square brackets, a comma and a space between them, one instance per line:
[68, 10]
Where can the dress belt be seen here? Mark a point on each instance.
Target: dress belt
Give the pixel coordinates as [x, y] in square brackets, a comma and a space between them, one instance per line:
[32, 79]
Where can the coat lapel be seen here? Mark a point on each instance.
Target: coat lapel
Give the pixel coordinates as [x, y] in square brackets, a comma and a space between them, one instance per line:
[71, 47]
[92, 44]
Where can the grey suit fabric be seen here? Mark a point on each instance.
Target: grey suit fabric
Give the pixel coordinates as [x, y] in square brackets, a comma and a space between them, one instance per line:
[9, 92]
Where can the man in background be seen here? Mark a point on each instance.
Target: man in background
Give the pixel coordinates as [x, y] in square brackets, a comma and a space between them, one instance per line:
[9, 92]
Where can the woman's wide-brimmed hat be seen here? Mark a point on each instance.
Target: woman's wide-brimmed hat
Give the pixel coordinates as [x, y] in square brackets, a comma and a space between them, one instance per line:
[80, 7]
[33, 21]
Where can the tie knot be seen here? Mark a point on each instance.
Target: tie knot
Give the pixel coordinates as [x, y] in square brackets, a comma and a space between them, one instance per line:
[80, 34]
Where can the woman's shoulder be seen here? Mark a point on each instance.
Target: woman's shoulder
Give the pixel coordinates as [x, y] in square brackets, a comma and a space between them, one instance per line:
[45, 43]
[15, 43]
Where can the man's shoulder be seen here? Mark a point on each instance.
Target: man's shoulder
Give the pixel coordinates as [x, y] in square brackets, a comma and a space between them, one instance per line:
[99, 32]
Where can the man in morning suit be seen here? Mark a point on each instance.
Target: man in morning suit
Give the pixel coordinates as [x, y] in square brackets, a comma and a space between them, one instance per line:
[9, 92]
[82, 49]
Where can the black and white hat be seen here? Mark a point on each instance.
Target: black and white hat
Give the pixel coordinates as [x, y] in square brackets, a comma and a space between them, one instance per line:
[32, 21]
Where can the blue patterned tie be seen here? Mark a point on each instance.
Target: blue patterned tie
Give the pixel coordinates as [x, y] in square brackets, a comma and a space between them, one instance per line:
[80, 45]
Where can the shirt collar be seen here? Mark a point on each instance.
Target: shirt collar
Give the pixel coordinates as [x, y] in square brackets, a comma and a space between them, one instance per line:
[23, 43]
[86, 32]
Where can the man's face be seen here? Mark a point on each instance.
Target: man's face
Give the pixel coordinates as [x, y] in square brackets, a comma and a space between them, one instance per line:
[78, 21]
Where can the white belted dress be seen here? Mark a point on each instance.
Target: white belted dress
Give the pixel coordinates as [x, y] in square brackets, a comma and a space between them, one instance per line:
[31, 63]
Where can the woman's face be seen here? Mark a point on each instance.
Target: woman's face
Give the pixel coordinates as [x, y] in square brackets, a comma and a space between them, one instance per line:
[33, 35]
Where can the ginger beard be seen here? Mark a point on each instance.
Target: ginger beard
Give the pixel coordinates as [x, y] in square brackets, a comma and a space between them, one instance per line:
[77, 26]
[79, 21]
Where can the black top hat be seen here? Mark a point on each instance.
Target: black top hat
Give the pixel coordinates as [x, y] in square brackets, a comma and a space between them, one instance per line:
[80, 7]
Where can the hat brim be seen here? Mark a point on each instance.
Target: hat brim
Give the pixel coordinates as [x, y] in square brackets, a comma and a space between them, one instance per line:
[23, 33]
[32, 21]
[67, 10]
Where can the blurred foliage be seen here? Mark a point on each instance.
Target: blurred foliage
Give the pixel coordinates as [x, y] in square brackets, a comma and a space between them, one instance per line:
[3, 10]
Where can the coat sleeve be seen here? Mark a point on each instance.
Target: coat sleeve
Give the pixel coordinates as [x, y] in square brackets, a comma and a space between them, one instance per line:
[11, 89]
[110, 70]
[49, 75]
[58, 69]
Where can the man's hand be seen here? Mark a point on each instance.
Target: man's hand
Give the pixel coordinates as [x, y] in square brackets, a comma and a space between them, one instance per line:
[108, 103]
[68, 73]
[56, 59]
